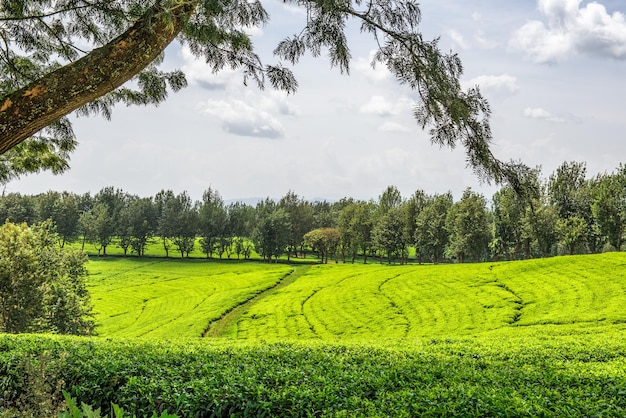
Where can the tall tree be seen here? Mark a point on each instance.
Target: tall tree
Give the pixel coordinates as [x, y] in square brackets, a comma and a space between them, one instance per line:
[58, 56]
[388, 235]
[564, 187]
[468, 227]
[166, 218]
[212, 219]
[355, 227]
[179, 223]
[272, 228]
[508, 210]
[301, 217]
[431, 236]
[609, 206]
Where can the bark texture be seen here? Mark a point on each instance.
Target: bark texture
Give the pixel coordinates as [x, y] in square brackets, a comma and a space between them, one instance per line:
[25, 112]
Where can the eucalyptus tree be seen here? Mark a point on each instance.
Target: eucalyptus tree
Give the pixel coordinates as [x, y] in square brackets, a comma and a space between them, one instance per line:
[609, 206]
[431, 236]
[137, 225]
[108, 204]
[271, 232]
[388, 235]
[241, 217]
[508, 210]
[179, 223]
[212, 220]
[165, 218]
[356, 221]
[468, 226]
[301, 217]
[565, 186]
[61, 56]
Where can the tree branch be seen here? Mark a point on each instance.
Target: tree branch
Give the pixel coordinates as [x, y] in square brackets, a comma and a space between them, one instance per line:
[30, 109]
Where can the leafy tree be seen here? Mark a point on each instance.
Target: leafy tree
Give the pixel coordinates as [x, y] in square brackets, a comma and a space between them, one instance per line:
[139, 219]
[564, 187]
[60, 56]
[325, 214]
[42, 285]
[166, 218]
[212, 219]
[355, 226]
[241, 217]
[431, 236]
[540, 228]
[571, 232]
[508, 210]
[67, 214]
[108, 204]
[468, 226]
[390, 198]
[388, 235]
[179, 223]
[272, 228]
[609, 207]
[323, 240]
[17, 208]
[301, 217]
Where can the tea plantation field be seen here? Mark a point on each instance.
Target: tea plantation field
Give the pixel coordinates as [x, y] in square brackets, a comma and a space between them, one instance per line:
[530, 338]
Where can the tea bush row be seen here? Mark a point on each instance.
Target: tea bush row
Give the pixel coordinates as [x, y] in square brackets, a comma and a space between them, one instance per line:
[506, 375]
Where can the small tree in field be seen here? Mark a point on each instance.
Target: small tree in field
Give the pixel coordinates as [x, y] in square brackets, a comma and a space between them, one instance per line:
[41, 285]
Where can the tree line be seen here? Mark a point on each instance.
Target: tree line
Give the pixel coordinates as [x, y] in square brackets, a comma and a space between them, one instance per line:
[566, 213]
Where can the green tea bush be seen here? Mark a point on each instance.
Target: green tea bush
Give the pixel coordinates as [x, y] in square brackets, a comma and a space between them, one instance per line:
[506, 375]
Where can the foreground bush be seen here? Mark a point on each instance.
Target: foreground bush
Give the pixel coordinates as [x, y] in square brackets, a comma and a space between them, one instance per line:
[42, 285]
[525, 375]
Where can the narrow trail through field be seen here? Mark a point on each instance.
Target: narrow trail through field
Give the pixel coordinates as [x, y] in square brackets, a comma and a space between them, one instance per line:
[229, 319]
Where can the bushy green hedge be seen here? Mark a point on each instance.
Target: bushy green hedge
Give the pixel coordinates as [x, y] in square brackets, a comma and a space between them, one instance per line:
[499, 376]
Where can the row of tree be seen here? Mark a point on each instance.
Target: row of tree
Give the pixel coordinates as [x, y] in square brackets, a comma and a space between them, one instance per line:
[566, 213]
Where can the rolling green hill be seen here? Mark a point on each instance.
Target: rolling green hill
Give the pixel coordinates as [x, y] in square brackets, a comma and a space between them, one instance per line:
[345, 302]
[529, 338]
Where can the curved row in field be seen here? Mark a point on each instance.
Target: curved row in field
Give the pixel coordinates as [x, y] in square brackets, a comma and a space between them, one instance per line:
[171, 298]
[378, 302]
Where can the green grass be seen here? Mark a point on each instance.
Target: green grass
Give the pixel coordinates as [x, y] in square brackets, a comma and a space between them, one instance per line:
[407, 303]
[530, 338]
[159, 298]
[343, 302]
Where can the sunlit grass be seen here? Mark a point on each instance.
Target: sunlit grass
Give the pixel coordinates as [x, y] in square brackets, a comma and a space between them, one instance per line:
[160, 298]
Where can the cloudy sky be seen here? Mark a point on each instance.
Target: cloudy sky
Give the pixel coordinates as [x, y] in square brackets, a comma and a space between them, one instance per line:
[553, 71]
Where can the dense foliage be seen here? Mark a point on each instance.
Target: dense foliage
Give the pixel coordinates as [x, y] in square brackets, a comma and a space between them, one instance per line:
[568, 214]
[510, 375]
[42, 286]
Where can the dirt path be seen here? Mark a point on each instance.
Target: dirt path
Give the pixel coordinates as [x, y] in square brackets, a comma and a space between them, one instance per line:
[229, 319]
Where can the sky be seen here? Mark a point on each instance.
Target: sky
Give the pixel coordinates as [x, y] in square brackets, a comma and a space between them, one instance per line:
[552, 70]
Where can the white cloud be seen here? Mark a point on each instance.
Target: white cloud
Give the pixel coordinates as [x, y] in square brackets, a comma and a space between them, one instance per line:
[393, 127]
[495, 82]
[379, 105]
[483, 41]
[242, 119]
[364, 66]
[571, 29]
[457, 39]
[540, 113]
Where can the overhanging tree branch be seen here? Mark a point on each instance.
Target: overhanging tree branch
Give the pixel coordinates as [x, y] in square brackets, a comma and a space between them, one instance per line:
[30, 109]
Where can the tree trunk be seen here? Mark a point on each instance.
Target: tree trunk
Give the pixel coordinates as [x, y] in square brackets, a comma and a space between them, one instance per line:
[25, 112]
